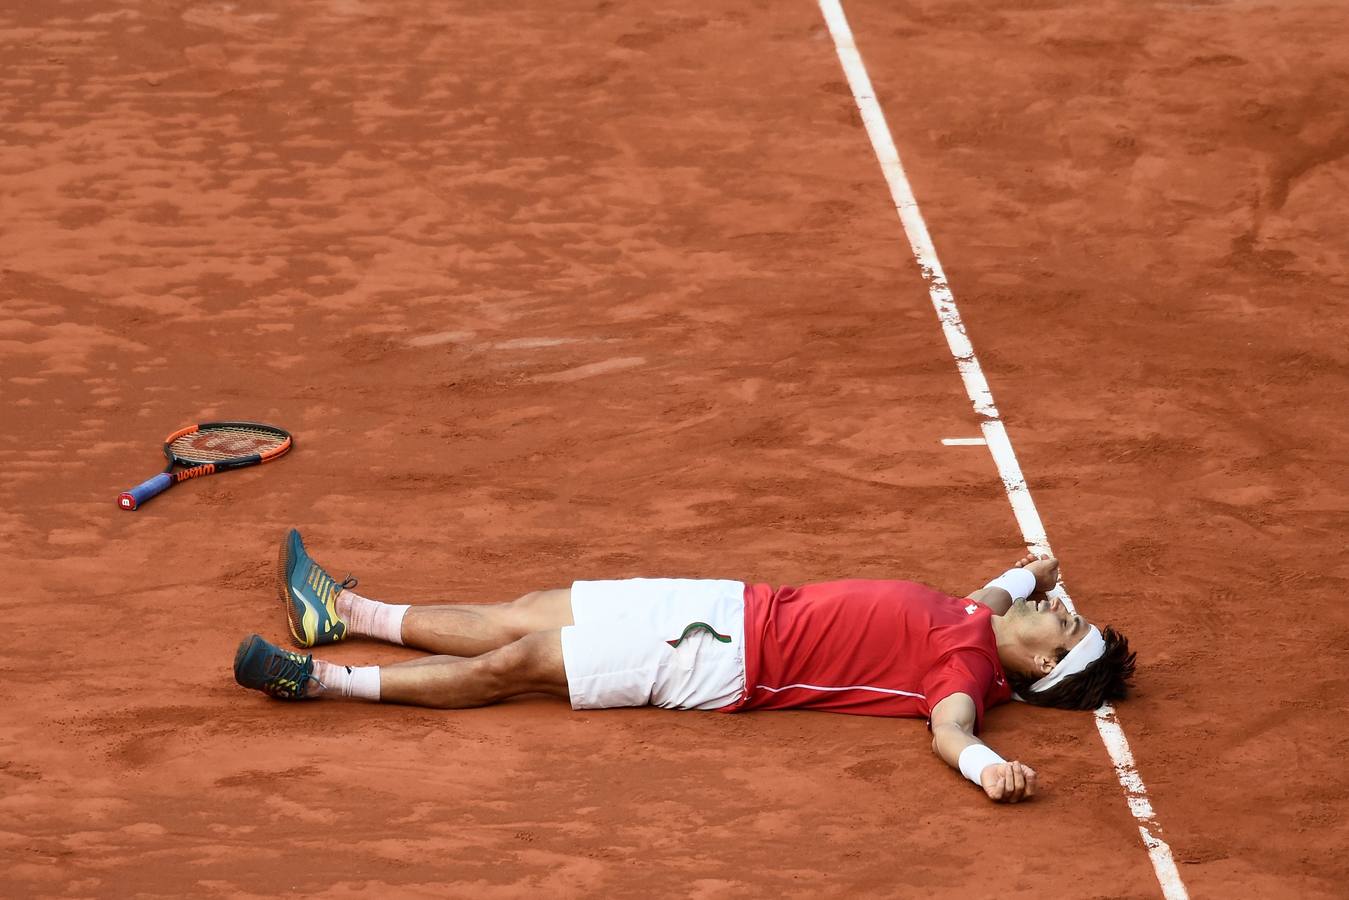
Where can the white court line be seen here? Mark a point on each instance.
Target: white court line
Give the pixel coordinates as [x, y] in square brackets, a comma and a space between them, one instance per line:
[964, 442]
[999, 444]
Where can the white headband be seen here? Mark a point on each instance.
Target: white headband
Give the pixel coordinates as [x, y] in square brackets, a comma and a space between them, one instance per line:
[1087, 651]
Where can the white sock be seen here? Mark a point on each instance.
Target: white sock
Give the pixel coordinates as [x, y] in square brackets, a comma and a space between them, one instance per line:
[360, 682]
[372, 618]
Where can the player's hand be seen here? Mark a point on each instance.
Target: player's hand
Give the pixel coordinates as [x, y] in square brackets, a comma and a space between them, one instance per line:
[1044, 568]
[1009, 782]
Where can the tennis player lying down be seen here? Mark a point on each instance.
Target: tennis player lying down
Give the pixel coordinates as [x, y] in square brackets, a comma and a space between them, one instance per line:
[875, 648]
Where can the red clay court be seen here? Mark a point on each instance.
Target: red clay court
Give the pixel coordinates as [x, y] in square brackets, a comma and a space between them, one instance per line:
[591, 290]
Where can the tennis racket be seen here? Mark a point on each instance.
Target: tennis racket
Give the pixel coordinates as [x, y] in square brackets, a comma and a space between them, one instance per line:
[208, 448]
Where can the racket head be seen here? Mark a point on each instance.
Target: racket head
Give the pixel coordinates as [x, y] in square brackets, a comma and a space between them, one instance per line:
[226, 444]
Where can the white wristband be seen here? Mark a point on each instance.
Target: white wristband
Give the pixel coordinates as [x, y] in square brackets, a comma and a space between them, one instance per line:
[975, 758]
[1017, 582]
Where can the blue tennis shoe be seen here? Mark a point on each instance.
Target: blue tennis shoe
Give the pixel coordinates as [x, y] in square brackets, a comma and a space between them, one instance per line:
[309, 595]
[263, 666]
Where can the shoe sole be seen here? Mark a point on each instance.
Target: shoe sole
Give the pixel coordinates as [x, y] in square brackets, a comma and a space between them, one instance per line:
[250, 644]
[283, 592]
[245, 648]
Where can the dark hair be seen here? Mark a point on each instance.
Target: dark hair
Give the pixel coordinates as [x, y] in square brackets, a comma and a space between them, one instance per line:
[1106, 679]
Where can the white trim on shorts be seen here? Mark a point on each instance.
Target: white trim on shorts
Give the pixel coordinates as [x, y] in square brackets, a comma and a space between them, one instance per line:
[618, 652]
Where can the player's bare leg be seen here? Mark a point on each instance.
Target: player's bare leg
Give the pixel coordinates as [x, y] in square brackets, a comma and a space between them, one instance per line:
[463, 629]
[532, 664]
[322, 610]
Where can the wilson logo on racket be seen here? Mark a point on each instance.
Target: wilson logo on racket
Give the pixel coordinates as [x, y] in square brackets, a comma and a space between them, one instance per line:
[207, 448]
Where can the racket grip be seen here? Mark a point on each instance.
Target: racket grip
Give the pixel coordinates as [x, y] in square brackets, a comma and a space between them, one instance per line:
[144, 491]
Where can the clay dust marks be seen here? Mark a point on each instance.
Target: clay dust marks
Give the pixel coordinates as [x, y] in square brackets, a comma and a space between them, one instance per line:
[536, 343]
[348, 8]
[1309, 214]
[439, 338]
[62, 348]
[690, 509]
[230, 19]
[590, 370]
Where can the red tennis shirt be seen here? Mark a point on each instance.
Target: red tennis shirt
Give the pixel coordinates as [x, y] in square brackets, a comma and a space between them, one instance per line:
[870, 648]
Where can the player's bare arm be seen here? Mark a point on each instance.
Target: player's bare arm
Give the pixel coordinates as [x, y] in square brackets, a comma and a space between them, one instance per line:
[954, 741]
[999, 598]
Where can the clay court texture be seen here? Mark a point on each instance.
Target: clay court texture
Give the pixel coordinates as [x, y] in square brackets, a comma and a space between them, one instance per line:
[566, 290]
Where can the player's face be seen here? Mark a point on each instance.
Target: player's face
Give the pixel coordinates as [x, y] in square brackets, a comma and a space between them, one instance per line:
[1046, 625]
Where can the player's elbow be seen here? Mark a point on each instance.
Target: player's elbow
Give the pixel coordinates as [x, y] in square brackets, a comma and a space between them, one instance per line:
[941, 735]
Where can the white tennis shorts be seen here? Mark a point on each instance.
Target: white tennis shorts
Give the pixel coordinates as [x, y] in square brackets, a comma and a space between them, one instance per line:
[619, 652]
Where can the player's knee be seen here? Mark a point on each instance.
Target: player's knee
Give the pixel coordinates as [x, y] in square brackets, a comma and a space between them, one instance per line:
[505, 668]
[530, 664]
[537, 611]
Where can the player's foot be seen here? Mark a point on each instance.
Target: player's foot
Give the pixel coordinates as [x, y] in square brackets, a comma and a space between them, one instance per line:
[309, 595]
[263, 666]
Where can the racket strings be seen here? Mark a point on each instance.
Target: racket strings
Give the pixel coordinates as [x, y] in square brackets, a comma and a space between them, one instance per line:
[219, 444]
